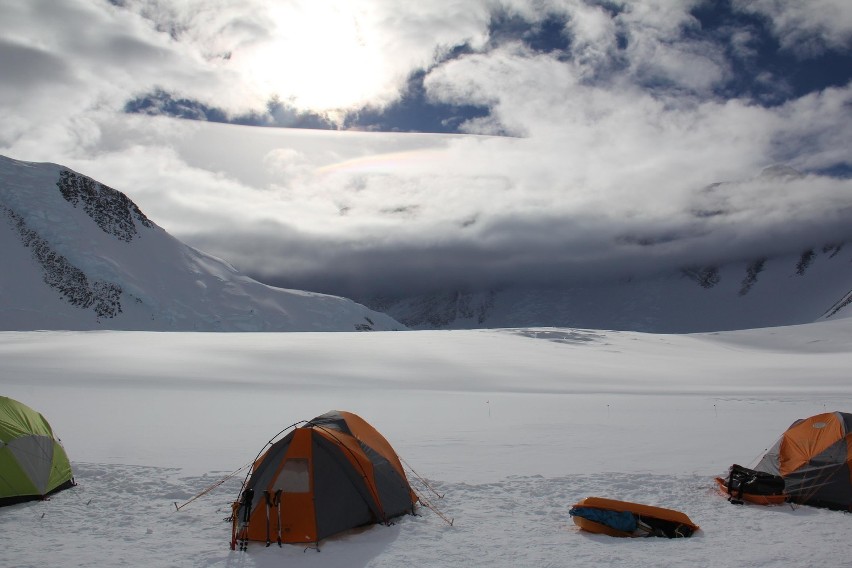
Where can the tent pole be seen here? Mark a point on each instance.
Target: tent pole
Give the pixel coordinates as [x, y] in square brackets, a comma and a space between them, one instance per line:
[211, 487]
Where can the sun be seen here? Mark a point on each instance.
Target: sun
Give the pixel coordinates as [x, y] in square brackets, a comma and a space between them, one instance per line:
[323, 56]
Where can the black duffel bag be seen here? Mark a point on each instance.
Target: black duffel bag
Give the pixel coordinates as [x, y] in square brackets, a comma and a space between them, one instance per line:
[744, 480]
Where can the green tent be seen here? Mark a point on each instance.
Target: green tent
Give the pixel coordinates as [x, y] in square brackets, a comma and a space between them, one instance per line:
[33, 464]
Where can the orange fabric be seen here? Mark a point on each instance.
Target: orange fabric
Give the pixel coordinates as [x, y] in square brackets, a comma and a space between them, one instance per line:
[758, 499]
[298, 518]
[807, 439]
[235, 508]
[363, 431]
[638, 509]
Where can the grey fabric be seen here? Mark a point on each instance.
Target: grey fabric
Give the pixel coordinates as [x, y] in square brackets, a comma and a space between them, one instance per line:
[341, 498]
[846, 419]
[294, 477]
[393, 490]
[331, 420]
[35, 456]
[824, 479]
[770, 463]
[262, 476]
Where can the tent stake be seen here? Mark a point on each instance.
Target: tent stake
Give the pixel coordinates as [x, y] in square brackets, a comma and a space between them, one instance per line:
[426, 503]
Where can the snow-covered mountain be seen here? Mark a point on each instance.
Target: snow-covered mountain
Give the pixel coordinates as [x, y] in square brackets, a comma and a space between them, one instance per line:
[801, 287]
[78, 255]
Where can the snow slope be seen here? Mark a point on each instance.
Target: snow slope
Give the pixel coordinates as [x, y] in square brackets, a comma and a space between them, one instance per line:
[782, 290]
[513, 426]
[79, 255]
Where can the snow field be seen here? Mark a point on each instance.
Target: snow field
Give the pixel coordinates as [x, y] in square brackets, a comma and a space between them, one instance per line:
[512, 428]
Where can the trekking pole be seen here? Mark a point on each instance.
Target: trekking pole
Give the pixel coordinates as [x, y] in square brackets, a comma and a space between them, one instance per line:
[248, 497]
[268, 498]
[278, 504]
[235, 507]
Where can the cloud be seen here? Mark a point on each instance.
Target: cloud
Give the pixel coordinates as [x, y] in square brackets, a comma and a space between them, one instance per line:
[502, 246]
[594, 35]
[806, 28]
[76, 63]
[328, 57]
[626, 157]
[357, 213]
[26, 68]
[814, 122]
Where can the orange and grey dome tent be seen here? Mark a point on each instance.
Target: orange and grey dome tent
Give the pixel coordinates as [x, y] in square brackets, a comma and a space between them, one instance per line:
[333, 473]
[814, 457]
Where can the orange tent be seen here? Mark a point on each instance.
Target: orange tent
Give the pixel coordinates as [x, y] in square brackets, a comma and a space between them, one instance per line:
[814, 456]
[334, 473]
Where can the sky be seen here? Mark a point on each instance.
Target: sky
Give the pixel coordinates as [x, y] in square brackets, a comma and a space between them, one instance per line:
[495, 420]
[367, 146]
